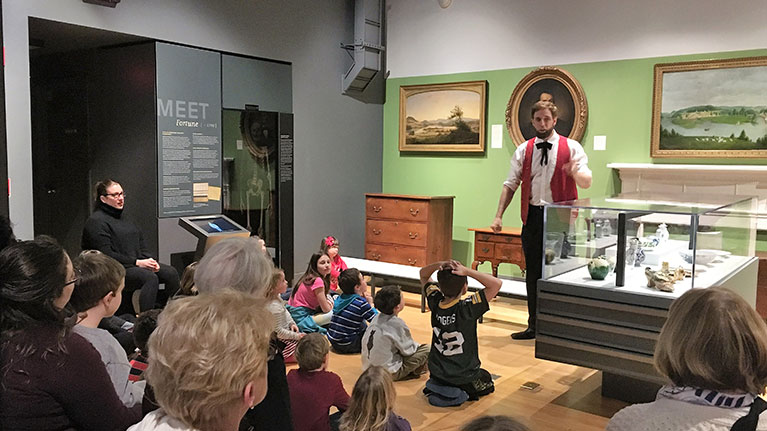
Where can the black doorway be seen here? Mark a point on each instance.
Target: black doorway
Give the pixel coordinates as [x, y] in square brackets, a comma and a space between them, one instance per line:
[62, 64]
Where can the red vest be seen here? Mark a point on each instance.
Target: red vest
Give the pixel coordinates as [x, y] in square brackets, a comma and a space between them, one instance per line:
[562, 185]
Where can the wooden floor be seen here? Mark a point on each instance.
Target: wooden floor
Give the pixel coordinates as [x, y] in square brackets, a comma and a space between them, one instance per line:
[569, 397]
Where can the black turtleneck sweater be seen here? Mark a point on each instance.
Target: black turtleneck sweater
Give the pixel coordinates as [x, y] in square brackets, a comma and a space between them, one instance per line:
[106, 231]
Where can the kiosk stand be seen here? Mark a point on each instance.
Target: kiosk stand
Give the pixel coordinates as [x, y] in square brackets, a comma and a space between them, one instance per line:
[211, 229]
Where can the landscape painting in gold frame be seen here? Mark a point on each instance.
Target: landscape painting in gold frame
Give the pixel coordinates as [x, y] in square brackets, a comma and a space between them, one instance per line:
[443, 117]
[710, 108]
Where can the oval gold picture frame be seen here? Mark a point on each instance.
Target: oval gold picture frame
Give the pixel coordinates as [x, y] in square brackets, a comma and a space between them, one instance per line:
[535, 81]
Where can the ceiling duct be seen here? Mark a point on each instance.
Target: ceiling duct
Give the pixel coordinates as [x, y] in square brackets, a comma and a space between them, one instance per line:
[367, 48]
[107, 3]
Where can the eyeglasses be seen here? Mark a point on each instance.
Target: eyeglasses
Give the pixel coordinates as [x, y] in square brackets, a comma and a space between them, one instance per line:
[115, 195]
[74, 280]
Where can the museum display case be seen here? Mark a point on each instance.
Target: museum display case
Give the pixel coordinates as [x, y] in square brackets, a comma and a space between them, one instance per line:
[613, 265]
[650, 245]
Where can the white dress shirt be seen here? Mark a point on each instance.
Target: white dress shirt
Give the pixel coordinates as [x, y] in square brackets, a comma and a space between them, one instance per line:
[540, 176]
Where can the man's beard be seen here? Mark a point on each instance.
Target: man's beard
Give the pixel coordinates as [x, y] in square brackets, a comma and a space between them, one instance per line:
[544, 135]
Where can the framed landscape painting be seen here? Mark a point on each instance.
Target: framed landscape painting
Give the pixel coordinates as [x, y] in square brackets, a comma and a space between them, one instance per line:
[712, 108]
[442, 117]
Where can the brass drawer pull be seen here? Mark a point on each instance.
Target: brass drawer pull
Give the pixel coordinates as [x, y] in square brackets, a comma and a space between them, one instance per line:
[412, 235]
[375, 256]
[377, 209]
[485, 250]
[414, 211]
[412, 261]
[377, 231]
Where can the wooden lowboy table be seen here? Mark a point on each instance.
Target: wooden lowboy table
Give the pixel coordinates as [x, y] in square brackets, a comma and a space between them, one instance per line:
[497, 248]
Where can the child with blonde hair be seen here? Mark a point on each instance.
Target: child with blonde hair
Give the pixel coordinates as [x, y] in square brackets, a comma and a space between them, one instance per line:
[372, 403]
[284, 326]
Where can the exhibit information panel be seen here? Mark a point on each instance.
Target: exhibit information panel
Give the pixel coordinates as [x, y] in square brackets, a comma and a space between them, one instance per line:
[188, 131]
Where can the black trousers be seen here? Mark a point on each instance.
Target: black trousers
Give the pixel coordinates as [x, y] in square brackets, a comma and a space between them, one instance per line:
[354, 347]
[532, 246]
[149, 283]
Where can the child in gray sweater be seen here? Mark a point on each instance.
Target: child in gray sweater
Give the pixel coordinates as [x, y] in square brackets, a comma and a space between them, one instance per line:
[387, 341]
[97, 294]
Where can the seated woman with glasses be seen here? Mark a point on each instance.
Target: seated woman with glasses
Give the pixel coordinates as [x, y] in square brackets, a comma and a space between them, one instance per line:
[108, 231]
[713, 352]
[51, 378]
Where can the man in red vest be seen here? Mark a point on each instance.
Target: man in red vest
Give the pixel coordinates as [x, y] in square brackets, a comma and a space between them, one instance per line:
[548, 168]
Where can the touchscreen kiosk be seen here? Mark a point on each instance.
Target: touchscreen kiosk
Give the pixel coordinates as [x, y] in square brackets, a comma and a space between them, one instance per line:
[211, 229]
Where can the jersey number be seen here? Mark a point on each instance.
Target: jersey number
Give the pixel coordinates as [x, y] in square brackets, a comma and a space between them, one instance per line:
[448, 343]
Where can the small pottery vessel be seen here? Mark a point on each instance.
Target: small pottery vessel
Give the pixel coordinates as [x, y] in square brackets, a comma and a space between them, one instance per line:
[639, 258]
[662, 233]
[599, 267]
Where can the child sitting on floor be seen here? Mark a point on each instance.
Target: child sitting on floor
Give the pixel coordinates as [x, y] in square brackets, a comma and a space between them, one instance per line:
[329, 246]
[454, 357]
[97, 294]
[313, 389]
[372, 403]
[146, 323]
[310, 303]
[284, 326]
[351, 312]
[387, 342]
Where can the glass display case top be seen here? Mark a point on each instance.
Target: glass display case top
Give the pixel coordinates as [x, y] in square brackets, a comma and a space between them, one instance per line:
[660, 203]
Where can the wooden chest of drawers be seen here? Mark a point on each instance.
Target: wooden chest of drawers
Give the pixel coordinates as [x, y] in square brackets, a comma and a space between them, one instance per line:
[409, 230]
[497, 248]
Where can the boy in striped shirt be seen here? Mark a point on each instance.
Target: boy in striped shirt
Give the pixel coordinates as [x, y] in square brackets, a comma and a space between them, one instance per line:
[351, 312]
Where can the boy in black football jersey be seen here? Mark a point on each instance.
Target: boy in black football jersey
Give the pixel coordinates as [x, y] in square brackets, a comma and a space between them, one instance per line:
[454, 357]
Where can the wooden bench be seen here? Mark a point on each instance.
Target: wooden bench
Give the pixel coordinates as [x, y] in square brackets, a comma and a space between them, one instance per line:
[393, 273]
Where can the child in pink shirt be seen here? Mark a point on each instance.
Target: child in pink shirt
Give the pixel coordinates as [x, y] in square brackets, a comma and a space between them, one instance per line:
[310, 294]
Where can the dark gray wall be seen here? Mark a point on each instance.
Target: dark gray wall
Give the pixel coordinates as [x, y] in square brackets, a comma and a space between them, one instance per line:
[267, 84]
[338, 140]
[123, 131]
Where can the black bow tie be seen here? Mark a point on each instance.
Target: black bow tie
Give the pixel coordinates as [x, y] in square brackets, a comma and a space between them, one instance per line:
[545, 146]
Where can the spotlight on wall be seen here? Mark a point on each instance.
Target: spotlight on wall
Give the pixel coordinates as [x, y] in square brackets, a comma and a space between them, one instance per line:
[107, 3]
[444, 4]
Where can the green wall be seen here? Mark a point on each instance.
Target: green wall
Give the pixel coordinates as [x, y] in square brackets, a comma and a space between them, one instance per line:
[619, 95]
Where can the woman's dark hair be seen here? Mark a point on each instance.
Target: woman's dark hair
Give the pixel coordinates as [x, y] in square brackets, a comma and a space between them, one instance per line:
[32, 277]
[312, 274]
[6, 232]
[102, 186]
